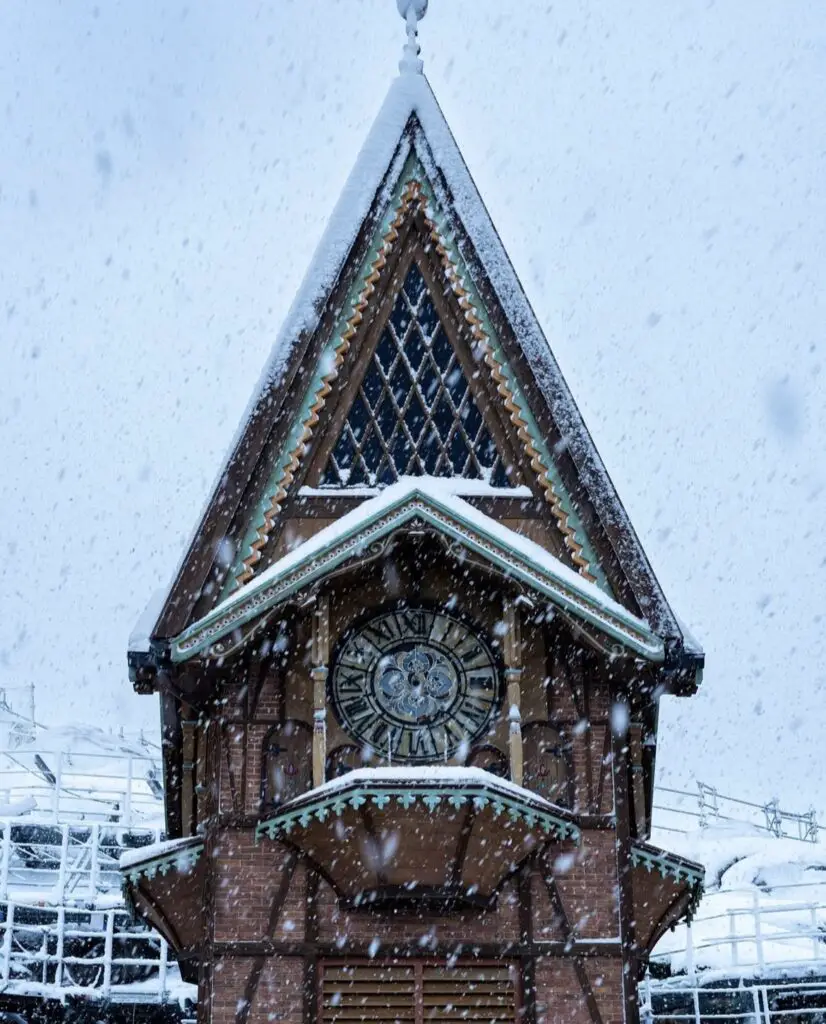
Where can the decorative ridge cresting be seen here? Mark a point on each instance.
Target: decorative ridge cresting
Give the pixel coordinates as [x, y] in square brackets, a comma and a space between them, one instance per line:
[182, 860]
[667, 865]
[381, 795]
[412, 194]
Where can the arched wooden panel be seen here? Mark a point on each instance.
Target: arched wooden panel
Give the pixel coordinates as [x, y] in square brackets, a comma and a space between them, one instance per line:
[287, 764]
[491, 759]
[547, 763]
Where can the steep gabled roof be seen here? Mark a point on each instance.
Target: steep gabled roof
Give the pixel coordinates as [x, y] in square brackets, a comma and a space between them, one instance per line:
[277, 426]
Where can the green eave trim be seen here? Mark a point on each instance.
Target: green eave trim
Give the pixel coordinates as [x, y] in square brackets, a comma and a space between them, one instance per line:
[182, 859]
[581, 599]
[382, 796]
[666, 865]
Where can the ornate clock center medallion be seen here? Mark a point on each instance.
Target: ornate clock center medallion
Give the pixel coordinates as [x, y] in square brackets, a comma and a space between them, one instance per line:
[414, 684]
[418, 683]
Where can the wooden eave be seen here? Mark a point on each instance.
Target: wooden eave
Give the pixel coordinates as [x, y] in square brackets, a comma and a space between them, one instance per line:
[466, 835]
[402, 507]
[264, 435]
[666, 889]
[605, 522]
[167, 892]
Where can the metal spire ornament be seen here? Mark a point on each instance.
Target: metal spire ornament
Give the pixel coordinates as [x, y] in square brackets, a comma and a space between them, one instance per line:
[412, 11]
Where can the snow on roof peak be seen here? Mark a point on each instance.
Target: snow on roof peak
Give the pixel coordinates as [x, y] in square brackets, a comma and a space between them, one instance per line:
[433, 500]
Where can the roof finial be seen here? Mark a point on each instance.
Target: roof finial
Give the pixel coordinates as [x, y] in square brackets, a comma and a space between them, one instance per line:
[412, 11]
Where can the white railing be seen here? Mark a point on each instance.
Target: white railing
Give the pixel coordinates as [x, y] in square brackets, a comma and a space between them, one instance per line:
[54, 864]
[681, 811]
[58, 951]
[799, 1001]
[66, 786]
[747, 930]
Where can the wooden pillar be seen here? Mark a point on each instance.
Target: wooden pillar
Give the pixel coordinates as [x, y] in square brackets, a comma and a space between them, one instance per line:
[320, 660]
[188, 727]
[512, 650]
[620, 739]
[638, 779]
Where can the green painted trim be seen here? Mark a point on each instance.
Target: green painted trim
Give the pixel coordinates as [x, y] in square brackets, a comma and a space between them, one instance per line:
[412, 169]
[438, 216]
[274, 588]
[183, 859]
[666, 865]
[380, 796]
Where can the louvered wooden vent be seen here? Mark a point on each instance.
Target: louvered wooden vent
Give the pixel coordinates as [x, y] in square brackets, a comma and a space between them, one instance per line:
[396, 993]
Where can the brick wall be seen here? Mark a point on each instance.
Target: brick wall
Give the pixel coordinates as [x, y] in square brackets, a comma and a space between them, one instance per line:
[562, 999]
[278, 996]
[587, 880]
[247, 877]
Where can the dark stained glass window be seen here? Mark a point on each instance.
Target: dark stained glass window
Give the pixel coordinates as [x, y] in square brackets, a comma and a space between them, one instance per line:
[414, 413]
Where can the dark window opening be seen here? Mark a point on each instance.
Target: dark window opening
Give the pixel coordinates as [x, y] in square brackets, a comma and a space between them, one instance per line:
[414, 413]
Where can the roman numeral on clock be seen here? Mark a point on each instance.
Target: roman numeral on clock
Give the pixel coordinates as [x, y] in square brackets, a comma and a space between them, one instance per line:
[473, 714]
[479, 681]
[355, 707]
[382, 631]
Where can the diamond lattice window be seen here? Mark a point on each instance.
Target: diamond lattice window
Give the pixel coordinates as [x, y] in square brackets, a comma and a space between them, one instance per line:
[414, 412]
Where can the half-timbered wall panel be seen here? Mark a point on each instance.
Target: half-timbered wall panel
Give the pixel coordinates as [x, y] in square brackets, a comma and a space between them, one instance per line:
[588, 992]
[586, 877]
[246, 992]
[280, 995]
[258, 890]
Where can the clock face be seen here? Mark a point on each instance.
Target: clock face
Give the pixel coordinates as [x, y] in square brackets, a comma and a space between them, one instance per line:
[414, 684]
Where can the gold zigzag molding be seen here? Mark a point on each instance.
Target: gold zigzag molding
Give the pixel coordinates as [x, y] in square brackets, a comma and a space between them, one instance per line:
[413, 196]
[516, 418]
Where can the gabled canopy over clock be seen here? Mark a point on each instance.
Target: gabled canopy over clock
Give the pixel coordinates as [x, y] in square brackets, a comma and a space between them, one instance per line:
[413, 656]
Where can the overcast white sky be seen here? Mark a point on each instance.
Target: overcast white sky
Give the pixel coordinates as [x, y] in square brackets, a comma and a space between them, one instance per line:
[656, 171]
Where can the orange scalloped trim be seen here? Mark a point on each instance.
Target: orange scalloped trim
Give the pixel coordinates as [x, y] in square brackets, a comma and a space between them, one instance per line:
[480, 336]
[409, 195]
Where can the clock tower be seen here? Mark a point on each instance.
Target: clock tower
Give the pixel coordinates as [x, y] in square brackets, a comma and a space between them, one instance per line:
[410, 665]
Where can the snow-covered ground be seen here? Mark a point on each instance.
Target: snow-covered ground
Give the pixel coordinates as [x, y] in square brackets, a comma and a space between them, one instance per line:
[764, 910]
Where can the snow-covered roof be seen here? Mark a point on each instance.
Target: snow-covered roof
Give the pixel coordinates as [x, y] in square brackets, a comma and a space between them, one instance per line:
[431, 501]
[428, 786]
[368, 190]
[142, 630]
[184, 849]
[434, 775]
